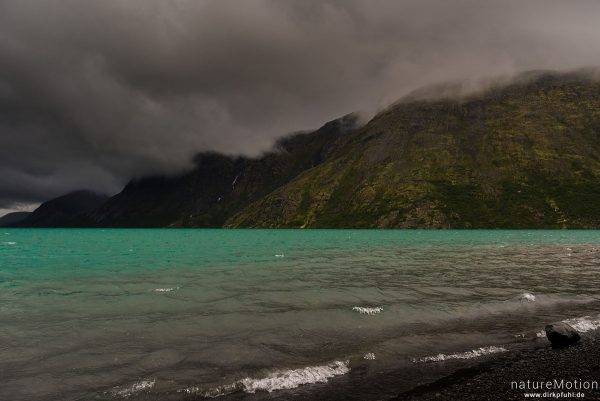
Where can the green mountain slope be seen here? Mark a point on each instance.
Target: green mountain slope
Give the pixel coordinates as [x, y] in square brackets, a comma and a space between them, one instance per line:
[524, 155]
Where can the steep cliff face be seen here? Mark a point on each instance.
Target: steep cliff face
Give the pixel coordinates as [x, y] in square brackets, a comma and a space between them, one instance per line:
[220, 185]
[525, 155]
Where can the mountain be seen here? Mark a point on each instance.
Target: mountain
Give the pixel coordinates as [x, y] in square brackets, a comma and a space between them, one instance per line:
[219, 186]
[524, 155]
[13, 218]
[65, 211]
[520, 155]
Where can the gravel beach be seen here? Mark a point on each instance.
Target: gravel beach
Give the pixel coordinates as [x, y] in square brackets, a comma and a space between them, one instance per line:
[578, 364]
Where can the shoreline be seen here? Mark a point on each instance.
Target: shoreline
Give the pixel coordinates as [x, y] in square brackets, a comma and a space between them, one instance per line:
[492, 379]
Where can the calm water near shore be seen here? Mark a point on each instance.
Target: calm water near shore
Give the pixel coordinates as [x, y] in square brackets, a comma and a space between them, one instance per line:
[276, 314]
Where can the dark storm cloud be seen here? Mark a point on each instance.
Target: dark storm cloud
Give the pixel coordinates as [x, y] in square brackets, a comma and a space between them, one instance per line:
[95, 92]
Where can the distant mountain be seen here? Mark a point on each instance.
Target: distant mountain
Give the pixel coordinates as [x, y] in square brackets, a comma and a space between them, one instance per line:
[65, 211]
[522, 155]
[13, 218]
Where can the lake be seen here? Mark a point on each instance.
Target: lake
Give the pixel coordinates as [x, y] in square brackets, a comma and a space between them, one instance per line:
[100, 314]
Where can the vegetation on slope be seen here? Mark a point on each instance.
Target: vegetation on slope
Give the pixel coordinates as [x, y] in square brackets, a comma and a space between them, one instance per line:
[524, 155]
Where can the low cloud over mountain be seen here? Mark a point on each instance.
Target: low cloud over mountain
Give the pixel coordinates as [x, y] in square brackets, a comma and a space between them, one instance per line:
[94, 93]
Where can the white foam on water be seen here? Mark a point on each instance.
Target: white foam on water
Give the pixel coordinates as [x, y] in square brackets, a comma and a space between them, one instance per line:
[278, 380]
[190, 390]
[369, 356]
[165, 289]
[215, 392]
[581, 324]
[584, 324]
[367, 310]
[9, 243]
[279, 255]
[476, 353]
[134, 388]
[293, 378]
[527, 297]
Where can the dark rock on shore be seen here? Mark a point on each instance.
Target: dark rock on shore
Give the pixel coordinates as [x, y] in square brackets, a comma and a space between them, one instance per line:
[561, 334]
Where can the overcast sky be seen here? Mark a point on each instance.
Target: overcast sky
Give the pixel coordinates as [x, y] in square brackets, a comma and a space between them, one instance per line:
[95, 92]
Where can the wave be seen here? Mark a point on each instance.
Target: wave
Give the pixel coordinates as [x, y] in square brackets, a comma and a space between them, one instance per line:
[367, 310]
[369, 356]
[476, 353]
[581, 324]
[165, 289]
[278, 380]
[527, 297]
[134, 388]
[584, 324]
[9, 243]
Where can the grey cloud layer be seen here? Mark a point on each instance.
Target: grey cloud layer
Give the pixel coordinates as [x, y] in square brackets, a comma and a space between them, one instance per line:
[93, 93]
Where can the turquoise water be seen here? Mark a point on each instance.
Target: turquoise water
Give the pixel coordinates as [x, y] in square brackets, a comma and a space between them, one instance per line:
[255, 314]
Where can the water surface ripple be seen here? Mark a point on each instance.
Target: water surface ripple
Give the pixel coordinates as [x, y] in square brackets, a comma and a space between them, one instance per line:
[256, 314]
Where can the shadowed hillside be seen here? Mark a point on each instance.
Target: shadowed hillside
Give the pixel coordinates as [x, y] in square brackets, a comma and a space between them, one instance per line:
[65, 211]
[12, 219]
[220, 185]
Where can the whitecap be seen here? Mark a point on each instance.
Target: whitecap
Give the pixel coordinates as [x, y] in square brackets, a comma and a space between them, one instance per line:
[293, 378]
[369, 356]
[476, 353]
[527, 297]
[134, 388]
[278, 380]
[581, 324]
[165, 289]
[368, 310]
[279, 255]
[9, 243]
[584, 324]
